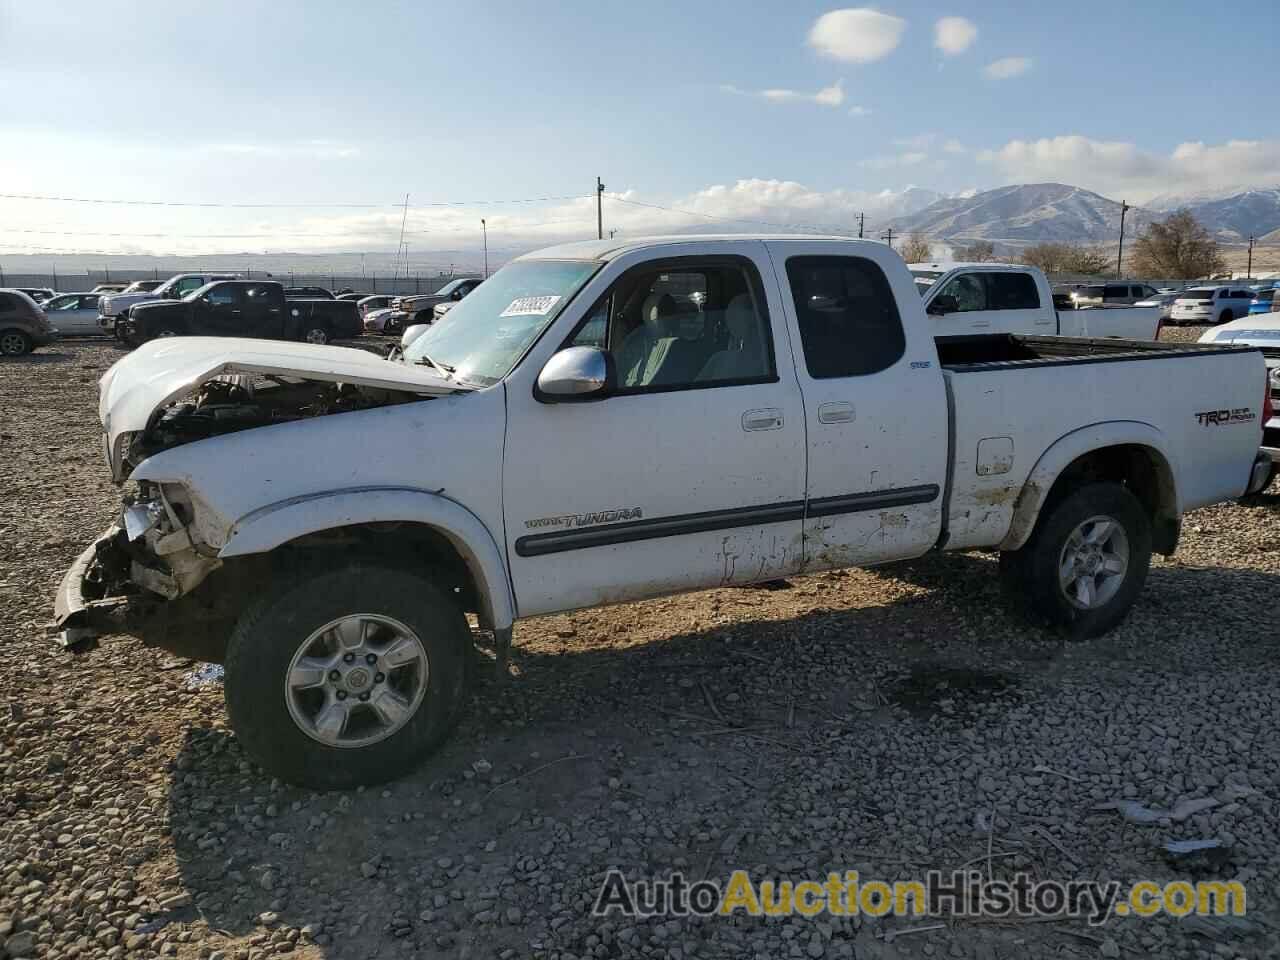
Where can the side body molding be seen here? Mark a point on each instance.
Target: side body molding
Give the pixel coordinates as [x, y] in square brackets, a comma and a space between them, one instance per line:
[1076, 444]
[269, 527]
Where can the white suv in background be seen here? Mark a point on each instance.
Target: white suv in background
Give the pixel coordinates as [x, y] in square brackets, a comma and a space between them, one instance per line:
[1211, 305]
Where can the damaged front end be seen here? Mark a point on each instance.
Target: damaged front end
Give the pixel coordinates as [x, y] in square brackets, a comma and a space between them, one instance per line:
[125, 581]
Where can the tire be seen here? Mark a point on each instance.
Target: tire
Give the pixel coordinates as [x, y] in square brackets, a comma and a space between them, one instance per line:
[279, 724]
[1036, 569]
[316, 335]
[15, 343]
[1226, 316]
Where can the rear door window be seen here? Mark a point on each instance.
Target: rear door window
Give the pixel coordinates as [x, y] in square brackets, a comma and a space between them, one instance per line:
[1012, 291]
[847, 315]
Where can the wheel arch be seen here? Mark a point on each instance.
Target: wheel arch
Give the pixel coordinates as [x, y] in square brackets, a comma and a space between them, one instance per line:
[1128, 452]
[417, 519]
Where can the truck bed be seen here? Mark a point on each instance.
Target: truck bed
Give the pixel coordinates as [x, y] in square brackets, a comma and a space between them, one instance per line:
[1014, 397]
[1008, 351]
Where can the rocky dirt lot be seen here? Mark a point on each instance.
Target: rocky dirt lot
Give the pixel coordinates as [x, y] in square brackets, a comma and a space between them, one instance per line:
[860, 720]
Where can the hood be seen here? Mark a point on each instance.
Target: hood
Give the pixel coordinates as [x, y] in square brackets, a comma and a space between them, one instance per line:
[112, 304]
[1259, 329]
[159, 372]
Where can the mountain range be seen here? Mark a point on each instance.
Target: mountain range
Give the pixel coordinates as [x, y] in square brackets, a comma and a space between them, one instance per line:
[1017, 216]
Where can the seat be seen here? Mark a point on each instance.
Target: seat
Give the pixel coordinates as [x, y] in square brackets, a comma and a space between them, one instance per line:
[744, 357]
[645, 346]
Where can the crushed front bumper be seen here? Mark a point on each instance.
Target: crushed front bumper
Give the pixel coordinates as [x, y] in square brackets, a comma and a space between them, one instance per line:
[80, 611]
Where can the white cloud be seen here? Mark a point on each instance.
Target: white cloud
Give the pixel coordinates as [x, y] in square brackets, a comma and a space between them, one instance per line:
[908, 158]
[918, 142]
[831, 96]
[856, 34]
[1007, 67]
[954, 146]
[1114, 167]
[857, 111]
[953, 35]
[302, 148]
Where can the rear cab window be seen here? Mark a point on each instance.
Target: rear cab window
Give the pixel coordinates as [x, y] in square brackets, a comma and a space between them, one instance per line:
[847, 316]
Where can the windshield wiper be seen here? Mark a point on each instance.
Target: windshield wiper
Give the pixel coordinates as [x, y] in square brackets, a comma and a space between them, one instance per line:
[444, 368]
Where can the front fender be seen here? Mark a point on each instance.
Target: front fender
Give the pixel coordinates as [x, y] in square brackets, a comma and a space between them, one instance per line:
[269, 527]
[1069, 448]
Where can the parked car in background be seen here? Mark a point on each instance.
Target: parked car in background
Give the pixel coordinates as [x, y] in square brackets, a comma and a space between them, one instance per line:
[1262, 332]
[1119, 293]
[376, 301]
[582, 431]
[239, 308]
[23, 324]
[418, 308]
[74, 313]
[1211, 305]
[1161, 301]
[375, 321]
[113, 307]
[1263, 301]
[142, 286]
[968, 298]
[308, 293]
[111, 286]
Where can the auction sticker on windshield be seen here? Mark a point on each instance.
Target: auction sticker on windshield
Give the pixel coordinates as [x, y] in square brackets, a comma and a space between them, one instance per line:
[530, 306]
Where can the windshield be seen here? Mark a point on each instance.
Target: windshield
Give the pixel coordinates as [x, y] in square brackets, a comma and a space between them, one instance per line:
[199, 292]
[449, 287]
[481, 338]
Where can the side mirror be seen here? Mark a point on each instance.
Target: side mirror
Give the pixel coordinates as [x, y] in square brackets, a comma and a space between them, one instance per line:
[576, 374]
[943, 304]
[412, 333]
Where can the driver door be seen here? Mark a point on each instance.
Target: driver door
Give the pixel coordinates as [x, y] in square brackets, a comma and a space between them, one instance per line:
[691, 474]
[223, 313]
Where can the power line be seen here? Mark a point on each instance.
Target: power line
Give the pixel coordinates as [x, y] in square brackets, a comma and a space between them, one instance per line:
[293, 205]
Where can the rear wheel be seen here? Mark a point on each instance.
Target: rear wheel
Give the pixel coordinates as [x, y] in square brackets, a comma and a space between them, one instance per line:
[316, 335]
[15, 343]
[350, 677]
[1086, 561]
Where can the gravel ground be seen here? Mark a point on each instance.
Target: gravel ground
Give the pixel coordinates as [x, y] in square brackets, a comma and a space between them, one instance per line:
[853, 720]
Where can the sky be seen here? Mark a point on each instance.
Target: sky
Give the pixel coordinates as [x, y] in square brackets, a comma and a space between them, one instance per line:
[789, 114]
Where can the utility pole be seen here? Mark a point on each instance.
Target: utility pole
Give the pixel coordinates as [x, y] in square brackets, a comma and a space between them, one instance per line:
[599, 210]
[862, 219]
[887, 237]
[1124, 208]
[400, 246]
[1248, 274]
[484, 229]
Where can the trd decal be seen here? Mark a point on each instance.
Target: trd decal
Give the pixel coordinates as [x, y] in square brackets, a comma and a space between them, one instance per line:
[587, 519]
[1221, 418]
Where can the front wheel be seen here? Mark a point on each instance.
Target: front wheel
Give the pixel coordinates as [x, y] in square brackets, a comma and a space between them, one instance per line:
[15, 343]
[1087, 559]
[1226, 316]
[349, 677]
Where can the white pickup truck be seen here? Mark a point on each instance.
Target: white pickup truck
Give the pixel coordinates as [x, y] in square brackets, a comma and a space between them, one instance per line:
[607, 421]
[1010, 298]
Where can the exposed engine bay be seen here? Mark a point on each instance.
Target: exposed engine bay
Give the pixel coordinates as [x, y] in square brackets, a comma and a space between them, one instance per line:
[236, 402]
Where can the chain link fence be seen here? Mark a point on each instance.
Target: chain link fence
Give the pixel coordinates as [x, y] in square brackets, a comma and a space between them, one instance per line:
[84, 281]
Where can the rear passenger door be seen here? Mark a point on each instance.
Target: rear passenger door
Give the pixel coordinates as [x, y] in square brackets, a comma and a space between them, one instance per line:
[262, 316]
[875, 405]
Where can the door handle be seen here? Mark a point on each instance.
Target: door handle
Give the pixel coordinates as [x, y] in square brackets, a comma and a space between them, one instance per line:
[836, 412]
[768, 418]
